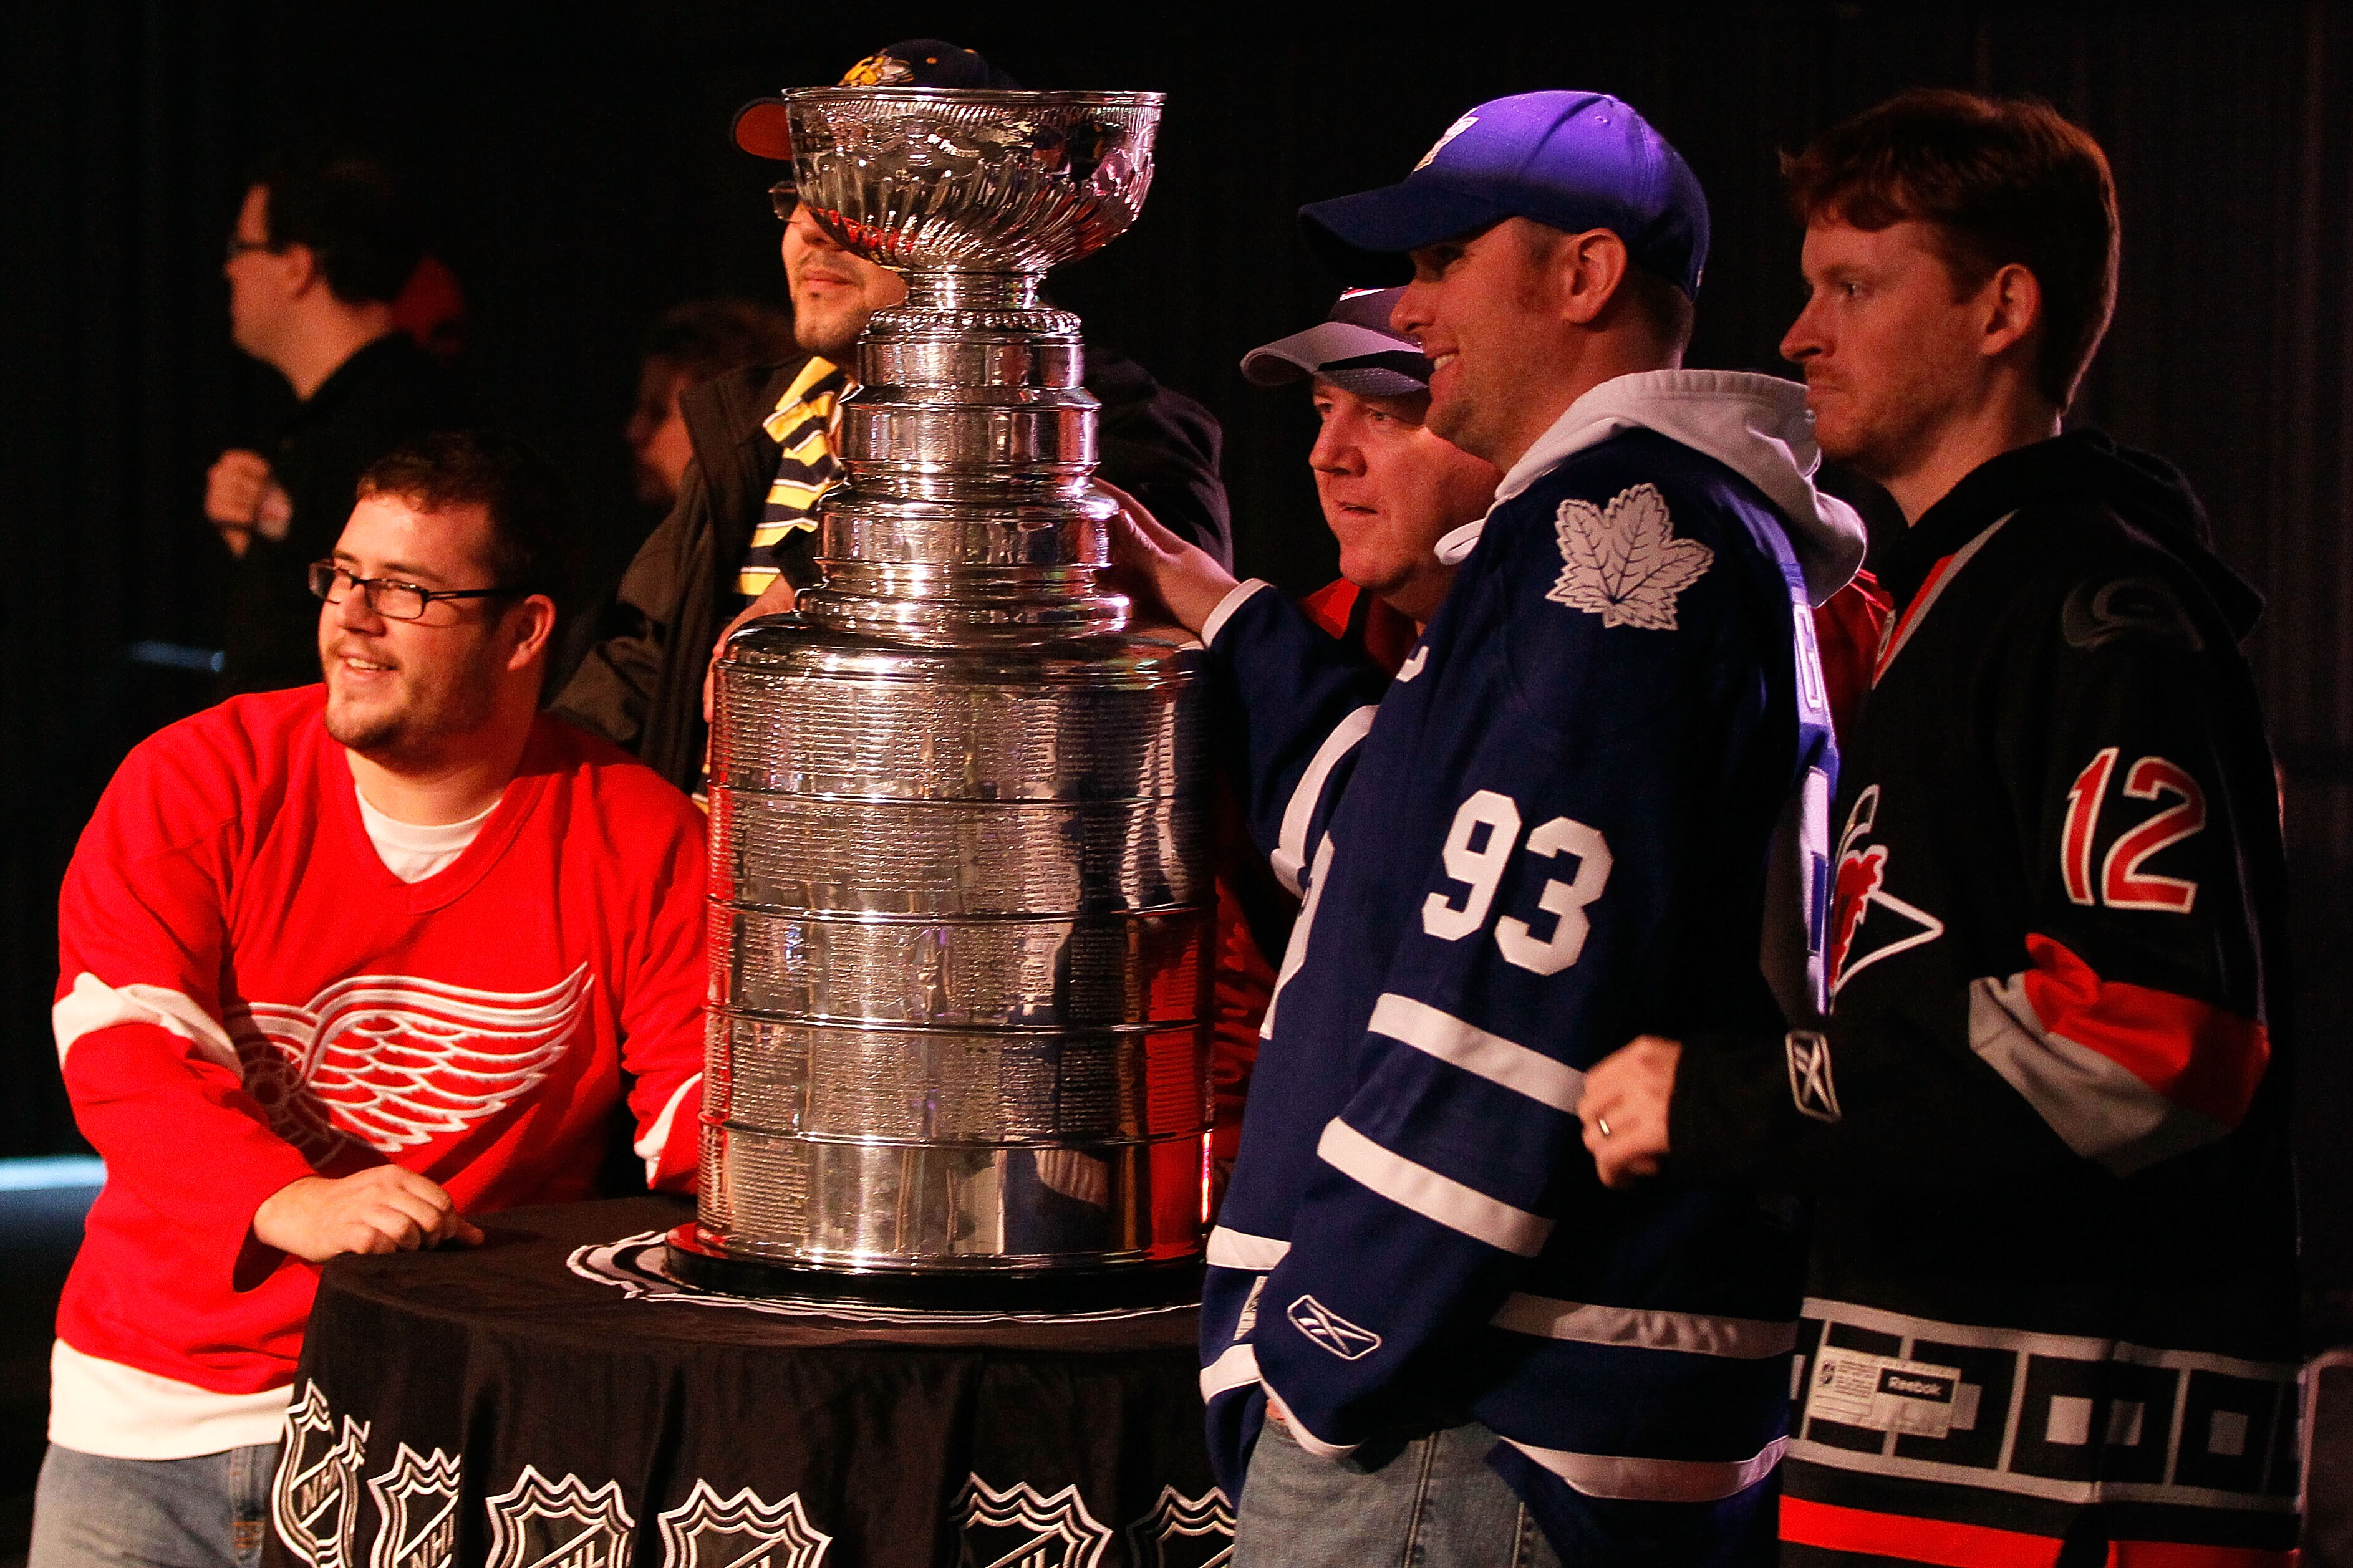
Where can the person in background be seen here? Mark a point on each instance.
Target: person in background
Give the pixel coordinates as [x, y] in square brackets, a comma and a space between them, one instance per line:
[431, 309]
[689, 345]
[2051, 1312]
[338, 966]
[324, 242]
[740, 541]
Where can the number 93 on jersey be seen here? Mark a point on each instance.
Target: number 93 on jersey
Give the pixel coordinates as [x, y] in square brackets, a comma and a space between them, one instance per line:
[1480, 846]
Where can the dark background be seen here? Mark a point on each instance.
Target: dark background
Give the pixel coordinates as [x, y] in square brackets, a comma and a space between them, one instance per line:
[576, 161]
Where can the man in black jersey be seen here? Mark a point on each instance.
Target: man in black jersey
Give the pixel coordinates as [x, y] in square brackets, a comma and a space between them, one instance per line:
[2052, 1313]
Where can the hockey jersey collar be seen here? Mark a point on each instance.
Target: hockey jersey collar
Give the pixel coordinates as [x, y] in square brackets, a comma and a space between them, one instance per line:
[542, 756]
[1756, 425]
[2083, 467]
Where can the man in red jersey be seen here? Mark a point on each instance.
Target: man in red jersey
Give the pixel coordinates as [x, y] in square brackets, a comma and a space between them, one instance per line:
[2052, 1301]
[340, 965]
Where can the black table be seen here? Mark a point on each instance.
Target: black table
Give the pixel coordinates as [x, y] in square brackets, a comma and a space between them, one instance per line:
[546, 1402]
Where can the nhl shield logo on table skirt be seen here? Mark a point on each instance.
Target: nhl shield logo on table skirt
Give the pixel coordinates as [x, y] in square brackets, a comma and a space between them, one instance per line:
[707, 1531]
[314, 1496]
[540, 1523]
[1020, 1528]
[416, 1511]
[1184, 1532]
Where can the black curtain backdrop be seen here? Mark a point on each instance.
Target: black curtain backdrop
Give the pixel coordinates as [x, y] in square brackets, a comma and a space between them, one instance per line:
[576, 165]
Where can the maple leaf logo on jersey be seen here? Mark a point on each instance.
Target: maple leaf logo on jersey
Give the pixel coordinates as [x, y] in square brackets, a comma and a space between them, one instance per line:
[1625, 564]
[392, 1061]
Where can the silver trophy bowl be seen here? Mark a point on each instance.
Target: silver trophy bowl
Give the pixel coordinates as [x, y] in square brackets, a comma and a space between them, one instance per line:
[933, 180]
[961, 899]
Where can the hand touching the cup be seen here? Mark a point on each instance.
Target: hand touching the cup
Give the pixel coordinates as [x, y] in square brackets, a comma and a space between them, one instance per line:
[1162, 571]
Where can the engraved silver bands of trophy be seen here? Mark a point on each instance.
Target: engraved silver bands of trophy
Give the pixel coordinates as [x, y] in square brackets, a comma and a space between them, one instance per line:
[960, 905]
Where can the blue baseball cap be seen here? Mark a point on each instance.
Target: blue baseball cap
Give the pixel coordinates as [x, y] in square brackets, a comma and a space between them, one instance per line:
[1576, 161]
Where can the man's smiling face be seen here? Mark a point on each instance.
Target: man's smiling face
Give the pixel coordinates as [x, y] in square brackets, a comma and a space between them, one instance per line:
[834, 290]
[1480, 307]
[408, 689]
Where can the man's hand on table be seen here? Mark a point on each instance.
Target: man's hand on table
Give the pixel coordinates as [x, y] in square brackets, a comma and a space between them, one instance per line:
[1624, 1109]
[1167, 575]
[384, 1208]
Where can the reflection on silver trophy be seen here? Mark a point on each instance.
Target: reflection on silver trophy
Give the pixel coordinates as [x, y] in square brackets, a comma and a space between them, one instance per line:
[960, 912]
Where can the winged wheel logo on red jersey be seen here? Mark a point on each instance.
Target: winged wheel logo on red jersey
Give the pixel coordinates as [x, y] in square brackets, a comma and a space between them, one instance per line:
[393, 1061]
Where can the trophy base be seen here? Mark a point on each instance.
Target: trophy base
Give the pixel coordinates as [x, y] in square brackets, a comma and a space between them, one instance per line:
[697, 1260]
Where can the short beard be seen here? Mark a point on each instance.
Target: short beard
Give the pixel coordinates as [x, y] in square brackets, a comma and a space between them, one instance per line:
[416, 732]
[380, 736]
[1457, 421]
[828, 341]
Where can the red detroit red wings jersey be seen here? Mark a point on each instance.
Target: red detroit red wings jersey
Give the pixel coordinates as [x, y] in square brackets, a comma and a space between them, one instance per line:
[247, 997]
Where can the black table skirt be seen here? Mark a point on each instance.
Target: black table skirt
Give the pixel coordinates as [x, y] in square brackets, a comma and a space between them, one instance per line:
[496, 1406]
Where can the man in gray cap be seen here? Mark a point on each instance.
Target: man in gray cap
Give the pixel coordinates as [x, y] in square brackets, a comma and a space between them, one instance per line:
[1429, 1333]
[1389, 485]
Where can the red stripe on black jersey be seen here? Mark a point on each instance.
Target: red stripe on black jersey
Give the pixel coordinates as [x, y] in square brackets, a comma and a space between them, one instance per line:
[2196, 1055]
[2177, 1554]
[1907, 1540]
[1900, 626]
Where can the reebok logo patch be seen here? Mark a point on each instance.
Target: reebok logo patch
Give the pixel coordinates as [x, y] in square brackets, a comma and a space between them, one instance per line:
[1810, 1076]
[1331, 1332]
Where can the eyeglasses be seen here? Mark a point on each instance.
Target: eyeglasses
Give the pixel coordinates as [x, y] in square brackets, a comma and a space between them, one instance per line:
[393, 600]
[239, 244]
[784, 195]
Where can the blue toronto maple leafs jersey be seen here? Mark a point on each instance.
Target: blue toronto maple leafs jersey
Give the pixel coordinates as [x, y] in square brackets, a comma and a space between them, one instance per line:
[1547, 836]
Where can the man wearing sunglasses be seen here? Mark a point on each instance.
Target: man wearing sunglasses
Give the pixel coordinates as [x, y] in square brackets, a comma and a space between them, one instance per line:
[341, 966]
[740, 539]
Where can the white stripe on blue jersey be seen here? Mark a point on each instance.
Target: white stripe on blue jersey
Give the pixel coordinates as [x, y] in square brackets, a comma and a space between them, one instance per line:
[1291, 849]
[1239, 1249]
[1433, 1196]
[1656, 1481]
[1694, 1333]
[1475, 1050]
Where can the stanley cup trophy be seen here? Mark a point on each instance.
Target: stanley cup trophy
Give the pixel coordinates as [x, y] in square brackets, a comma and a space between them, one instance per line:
[960, 899]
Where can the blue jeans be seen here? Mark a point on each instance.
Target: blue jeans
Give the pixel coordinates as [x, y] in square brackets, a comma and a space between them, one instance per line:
[1429, 1503]
[209, 1512]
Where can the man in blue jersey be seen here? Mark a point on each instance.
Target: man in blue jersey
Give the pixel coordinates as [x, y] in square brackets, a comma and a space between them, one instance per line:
[1429, 1333]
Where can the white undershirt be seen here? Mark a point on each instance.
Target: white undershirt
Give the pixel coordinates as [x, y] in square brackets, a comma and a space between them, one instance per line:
[413, 852]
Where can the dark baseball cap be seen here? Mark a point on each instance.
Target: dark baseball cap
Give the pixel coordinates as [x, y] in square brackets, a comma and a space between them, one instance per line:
[763, 127]
[1576, 161]
[1353, 348]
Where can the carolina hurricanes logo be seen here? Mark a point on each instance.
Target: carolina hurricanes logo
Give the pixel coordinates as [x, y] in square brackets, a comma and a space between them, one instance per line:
[1859, 893]
[393, 1061]
[1860, 873]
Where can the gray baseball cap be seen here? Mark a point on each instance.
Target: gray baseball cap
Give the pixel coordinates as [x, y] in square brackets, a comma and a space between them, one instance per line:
[1353, 348]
